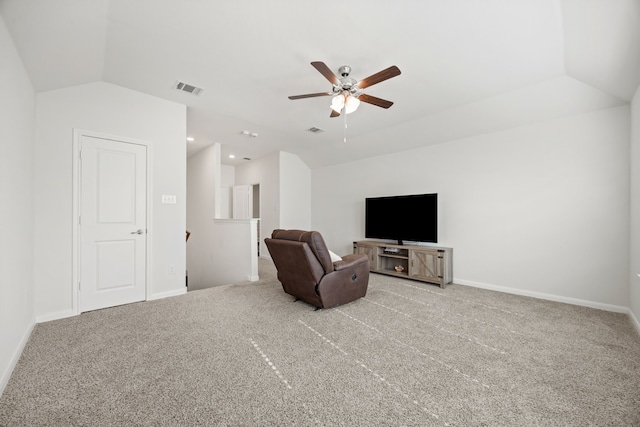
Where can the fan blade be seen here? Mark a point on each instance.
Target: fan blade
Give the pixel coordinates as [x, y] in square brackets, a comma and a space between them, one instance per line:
[334, 113]
[310, 95]
[378, 102]
[379, 77]
[326, 72]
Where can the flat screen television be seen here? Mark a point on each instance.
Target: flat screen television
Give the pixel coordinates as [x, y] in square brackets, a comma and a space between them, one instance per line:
[409, 217]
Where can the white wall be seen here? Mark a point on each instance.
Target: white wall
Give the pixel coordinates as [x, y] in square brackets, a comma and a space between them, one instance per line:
[110, 109]
[218, 251]
[634, 280]
[227, 180]
[264, 171]
[295, 194]
[541, 209]
[285, 197]
[227, 175]
[201, 182]
[17, 124]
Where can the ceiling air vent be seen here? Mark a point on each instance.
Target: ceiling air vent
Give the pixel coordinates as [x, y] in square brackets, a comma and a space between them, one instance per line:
[185, 87]
[315, 130]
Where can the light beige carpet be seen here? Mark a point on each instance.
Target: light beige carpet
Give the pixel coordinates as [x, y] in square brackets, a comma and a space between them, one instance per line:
[407, 354]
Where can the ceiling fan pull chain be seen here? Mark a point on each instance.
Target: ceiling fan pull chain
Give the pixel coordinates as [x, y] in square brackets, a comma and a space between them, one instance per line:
[345, 126]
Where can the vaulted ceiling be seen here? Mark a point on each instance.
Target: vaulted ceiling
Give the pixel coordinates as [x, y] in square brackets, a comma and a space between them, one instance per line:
[468, 66]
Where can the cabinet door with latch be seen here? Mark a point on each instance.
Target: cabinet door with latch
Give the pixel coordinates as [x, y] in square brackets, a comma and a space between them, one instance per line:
[425, 265]
[371, 252]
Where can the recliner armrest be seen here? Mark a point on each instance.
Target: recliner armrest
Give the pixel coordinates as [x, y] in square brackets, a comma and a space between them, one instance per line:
[350, 260]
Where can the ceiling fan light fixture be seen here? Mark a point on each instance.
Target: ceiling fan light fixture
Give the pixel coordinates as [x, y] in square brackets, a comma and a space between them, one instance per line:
[352, 103]
[345, 101]
[337, 103]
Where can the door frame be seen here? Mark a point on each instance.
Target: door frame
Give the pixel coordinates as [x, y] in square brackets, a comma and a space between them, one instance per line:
[75, 216]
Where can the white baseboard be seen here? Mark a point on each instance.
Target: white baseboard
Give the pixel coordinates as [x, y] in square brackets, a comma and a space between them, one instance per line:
[70, 313]
[55, 316]
[634, 321]
[6, 375]
[252, 278]
[541, 295]
[167, 294]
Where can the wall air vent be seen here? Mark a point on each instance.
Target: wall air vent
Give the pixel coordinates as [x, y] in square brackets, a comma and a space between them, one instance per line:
[315, 130]
[185, 87]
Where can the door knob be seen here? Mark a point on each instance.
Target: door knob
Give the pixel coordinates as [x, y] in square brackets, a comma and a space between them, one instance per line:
[138, 232]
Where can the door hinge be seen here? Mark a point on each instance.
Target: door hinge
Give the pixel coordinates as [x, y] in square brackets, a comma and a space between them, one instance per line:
[78, 285]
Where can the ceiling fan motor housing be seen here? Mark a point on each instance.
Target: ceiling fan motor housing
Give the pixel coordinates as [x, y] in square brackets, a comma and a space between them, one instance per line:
[344, 71]
[346, 82]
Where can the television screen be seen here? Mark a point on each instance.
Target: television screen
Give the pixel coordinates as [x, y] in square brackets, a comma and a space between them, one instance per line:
[411, 217]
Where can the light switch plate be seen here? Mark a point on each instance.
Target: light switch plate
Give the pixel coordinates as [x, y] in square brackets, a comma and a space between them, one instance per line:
[168, 199]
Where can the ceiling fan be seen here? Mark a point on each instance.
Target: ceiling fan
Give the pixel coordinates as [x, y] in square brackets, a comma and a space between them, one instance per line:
[347, 92]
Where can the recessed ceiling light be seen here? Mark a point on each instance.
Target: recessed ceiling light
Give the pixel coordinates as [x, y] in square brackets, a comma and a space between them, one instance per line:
[190, 139]
[232, 156]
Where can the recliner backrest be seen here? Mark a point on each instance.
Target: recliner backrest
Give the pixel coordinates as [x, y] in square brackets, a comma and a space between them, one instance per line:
[315, 242]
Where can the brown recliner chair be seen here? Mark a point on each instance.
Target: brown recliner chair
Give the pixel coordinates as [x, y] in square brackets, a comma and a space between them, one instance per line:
[306, 271]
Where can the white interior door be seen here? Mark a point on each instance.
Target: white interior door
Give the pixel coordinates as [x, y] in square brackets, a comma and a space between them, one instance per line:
[242, 201]
[112, 223]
